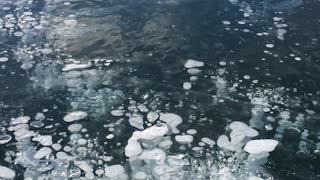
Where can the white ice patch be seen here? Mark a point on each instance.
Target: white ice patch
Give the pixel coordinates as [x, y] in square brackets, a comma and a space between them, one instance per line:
[71, 67]
[6, 173]
[172, 120]
[75, 116]
[193, 64]
[260, 146]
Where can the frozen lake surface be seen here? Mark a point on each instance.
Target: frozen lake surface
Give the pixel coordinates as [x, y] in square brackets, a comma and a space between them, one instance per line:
[160, 89]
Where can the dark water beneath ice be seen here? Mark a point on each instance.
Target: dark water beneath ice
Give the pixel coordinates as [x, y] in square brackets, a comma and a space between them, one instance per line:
[137, 50]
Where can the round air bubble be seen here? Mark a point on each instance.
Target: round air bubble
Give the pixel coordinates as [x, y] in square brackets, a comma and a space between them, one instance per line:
[266, 109]
[192, 131]
[187, 85]
[194, 71]
[74, 172]
[37, 124]
[3, 59]
[140, 175]
[18, 34]
[67, 149]
[99, 172]
[82, 142]
[184, 139]
[110, 136]
[56, 147]
[117, 112]
[75, 128]
[5, 138]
